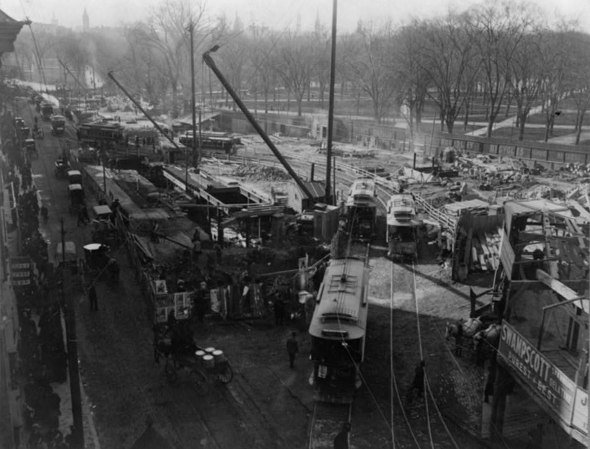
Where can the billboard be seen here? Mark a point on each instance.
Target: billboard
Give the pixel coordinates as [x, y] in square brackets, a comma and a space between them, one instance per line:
[21, 271]
[549, 383]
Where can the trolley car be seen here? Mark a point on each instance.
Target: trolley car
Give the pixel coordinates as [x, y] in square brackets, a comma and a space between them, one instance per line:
[361, 209]
[213, 144]
[338, 328]
[100, 132]
[402, 228]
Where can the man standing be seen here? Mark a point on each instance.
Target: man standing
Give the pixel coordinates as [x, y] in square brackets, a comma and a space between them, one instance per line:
[418, 383]
[341, 440]
[93, 298]
[292, 349]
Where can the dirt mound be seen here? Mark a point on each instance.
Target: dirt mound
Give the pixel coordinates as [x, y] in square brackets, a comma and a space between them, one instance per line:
[261, 173]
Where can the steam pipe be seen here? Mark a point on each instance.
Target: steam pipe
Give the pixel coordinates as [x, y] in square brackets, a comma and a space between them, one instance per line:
[211, 64]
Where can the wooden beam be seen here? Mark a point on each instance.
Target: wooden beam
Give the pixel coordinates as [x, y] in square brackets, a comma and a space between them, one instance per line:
[557, 286]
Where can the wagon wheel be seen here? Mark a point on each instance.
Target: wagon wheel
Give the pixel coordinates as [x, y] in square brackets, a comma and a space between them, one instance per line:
[200, 381]
[170, 371]
[225, 373]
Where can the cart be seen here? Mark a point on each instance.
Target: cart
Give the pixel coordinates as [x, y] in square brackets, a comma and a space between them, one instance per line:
[75, 177]
[31, 148]
[61, 168]
[182, 357]
[76, 197]
[98, 263]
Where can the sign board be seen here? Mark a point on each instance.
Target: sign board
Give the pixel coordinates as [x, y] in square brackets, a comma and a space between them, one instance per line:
[580, 416]
[550, 383]
[180, 304]
[21, 271]
[506, 254]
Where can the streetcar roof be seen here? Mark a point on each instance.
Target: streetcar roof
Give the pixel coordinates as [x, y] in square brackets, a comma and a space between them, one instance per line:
[363, 187]
[342, 306]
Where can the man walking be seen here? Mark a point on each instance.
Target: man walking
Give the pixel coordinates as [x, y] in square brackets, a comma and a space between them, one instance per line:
[93, 298]
[292, 349]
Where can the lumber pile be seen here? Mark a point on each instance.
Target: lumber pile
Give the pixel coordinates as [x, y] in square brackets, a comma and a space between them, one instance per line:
[485, 252]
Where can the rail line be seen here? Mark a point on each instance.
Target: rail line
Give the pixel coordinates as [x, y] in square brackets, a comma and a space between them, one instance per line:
[413, 418]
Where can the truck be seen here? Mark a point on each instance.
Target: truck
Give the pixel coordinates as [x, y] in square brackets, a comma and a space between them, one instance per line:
[46, 111]
[58, 125]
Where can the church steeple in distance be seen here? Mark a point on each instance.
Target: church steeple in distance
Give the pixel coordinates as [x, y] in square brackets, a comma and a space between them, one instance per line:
[85, 21]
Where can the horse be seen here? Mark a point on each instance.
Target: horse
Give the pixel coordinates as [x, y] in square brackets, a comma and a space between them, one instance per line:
[485, 342]
[462, 328]
[467, 327]
[173, 342]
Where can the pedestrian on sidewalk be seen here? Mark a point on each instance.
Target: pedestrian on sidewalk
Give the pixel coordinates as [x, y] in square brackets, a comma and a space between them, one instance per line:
[292, 349]
[341, 439]
[93, 298]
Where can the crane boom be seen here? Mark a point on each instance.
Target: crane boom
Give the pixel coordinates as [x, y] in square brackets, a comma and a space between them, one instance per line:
[211, 64]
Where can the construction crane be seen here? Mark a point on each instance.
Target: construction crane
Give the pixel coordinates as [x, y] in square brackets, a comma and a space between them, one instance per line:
[211, 64]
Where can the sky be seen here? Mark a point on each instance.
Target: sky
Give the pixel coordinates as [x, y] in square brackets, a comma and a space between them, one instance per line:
[276, 14]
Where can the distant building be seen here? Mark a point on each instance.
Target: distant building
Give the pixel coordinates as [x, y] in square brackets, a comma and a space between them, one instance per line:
[298, 201]
[85, 21]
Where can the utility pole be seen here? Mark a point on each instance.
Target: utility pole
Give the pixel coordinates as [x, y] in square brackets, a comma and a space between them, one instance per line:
[328, 193]
[72, 348]
[196, 159]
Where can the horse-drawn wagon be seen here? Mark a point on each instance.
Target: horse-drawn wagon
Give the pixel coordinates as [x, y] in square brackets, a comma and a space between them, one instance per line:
[174, 343]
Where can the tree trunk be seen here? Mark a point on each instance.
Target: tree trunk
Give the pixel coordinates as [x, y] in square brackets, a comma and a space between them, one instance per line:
[358, 103]
[579, 132]
[450, 125]
[509, 103]
[522, 121]
[466, 122]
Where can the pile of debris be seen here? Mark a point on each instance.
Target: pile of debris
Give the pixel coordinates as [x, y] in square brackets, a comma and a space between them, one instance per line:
[261, 173]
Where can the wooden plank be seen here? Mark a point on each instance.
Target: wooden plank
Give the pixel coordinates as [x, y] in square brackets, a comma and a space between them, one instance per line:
[561, 289]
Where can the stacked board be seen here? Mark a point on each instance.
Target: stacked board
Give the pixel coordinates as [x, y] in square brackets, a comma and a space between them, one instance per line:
[485, 252]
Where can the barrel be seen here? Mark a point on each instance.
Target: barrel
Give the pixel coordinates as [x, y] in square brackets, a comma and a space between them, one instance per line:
[209, 350]
[218, 356]
[200, 353]
[208, 361]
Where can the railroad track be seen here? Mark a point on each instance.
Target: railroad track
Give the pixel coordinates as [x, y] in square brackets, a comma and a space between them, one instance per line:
[326, 421]
[415, 418]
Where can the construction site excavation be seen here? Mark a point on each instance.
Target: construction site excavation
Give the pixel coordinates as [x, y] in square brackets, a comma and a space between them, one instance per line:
[236, 239]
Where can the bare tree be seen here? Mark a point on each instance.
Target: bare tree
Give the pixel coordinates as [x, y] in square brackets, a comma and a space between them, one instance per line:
[294, 65]
[167, 33]
[370, 62]
[555, 61]
[578, 74]
[525, 78]
[448, 55]
[411, 77]
[497, 31]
